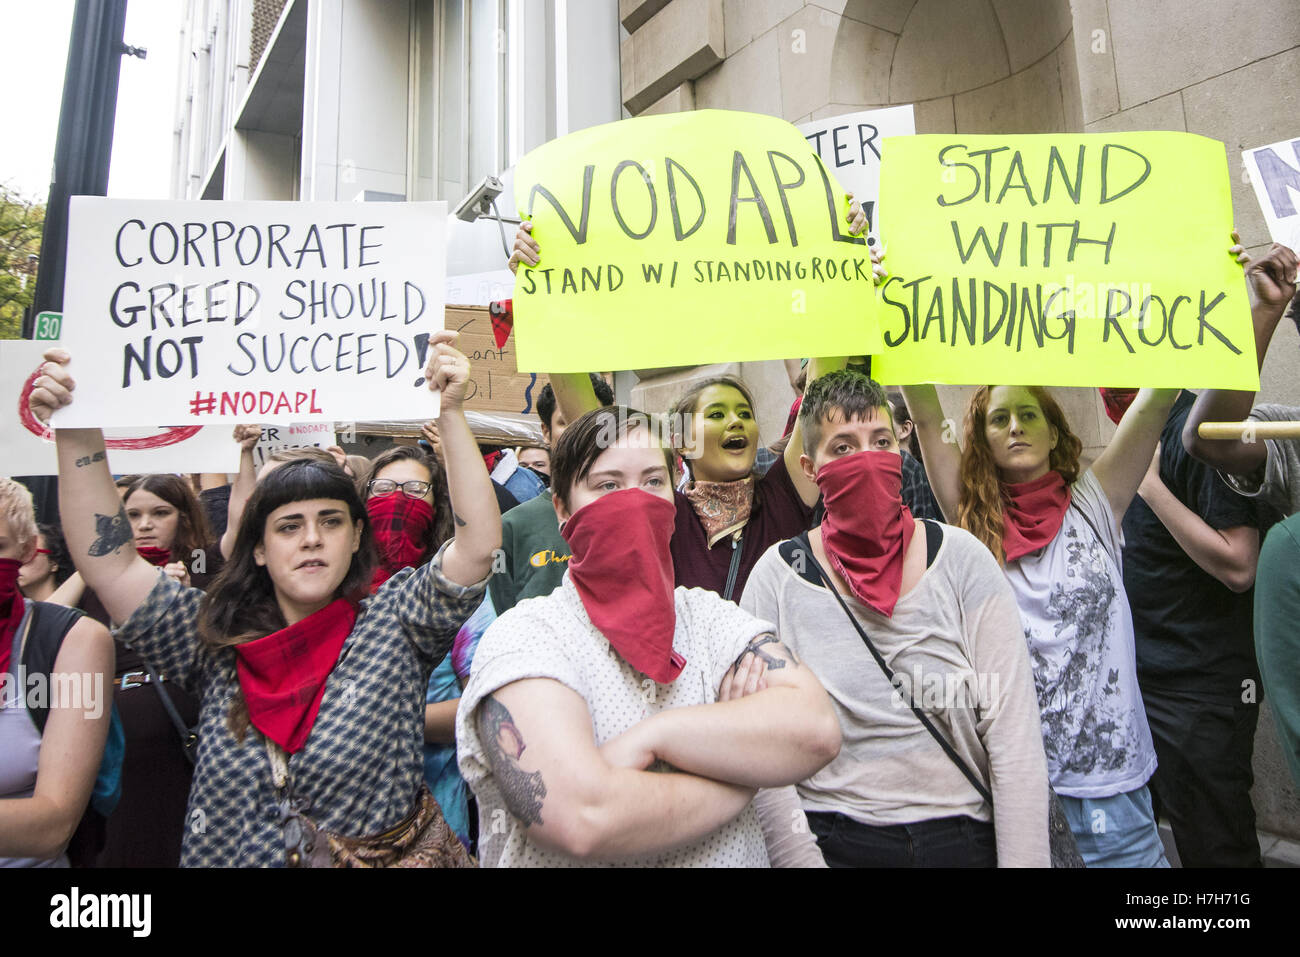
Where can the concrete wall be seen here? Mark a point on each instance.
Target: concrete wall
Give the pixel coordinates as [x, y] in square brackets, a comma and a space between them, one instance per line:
[357, 84]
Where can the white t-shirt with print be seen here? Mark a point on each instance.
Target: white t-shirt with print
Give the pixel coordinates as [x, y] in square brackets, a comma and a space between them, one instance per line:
[1080, 634]
[552, 637]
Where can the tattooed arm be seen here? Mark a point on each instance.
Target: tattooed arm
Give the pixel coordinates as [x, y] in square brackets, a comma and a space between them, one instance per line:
[537, 737]
[95, 526]
[758, 736]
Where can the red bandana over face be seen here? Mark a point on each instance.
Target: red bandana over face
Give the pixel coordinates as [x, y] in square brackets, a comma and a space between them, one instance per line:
[283, 675]
[623, 571]
[154, 556]
[401, 525]
[1032, 513]
[867, 527]
[11, 608]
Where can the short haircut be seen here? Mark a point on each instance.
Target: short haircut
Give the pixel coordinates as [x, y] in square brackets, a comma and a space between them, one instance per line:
[853, 394]
[546, 398]
[17, 510]
[584, 441]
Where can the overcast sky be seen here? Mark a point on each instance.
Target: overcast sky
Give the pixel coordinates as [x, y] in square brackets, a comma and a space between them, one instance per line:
[36, 52]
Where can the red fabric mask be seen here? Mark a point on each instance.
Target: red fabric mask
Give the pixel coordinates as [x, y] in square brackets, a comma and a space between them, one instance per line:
[1032, 513]
[623, 570]
[11, 608]
[1117, 402]
[867, 528]
[283, 675]
[401, 525]
[154, 556]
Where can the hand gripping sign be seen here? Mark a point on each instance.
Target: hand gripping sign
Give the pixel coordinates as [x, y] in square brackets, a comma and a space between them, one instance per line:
[196, 313]
[1069, 260]
[709, 236]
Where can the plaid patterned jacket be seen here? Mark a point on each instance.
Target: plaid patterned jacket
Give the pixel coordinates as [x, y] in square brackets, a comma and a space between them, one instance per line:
[362, 766]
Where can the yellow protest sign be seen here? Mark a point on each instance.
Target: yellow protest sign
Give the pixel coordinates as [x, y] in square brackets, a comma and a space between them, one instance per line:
[1069, 260]
[710, 236]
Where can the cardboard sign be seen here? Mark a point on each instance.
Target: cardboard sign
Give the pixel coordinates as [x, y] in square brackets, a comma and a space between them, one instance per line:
[197, 313]
[1069, 260]
[850, 147]
[496, 384]
[299, 435]
[27, 447]
[1275, 173]
[687, 238]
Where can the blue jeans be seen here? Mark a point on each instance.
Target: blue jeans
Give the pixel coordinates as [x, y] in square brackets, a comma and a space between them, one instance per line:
[1118, 831]
[942, 842]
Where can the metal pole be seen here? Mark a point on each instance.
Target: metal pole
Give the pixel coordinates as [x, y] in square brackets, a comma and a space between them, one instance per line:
[85, 141]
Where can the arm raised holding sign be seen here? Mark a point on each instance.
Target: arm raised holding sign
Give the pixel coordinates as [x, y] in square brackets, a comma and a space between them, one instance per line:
[94, 520]
[1272, 279]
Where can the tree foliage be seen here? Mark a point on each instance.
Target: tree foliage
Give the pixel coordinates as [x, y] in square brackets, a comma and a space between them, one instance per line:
[21, 222]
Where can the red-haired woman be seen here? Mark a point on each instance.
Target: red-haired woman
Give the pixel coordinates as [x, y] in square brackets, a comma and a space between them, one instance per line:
[1018, 486]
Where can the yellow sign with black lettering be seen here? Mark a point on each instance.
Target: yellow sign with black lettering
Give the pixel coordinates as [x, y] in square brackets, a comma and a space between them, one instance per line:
[1069, 260]
[710, 236]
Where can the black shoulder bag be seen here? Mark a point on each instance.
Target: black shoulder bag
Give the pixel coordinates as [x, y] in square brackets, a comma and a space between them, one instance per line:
[1064, 850]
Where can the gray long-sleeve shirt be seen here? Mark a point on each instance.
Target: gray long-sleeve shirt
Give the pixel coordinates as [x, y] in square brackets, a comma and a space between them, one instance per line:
[957, 644]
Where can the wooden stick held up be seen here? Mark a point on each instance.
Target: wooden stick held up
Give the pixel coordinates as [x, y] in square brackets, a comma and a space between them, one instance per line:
[1240, 430]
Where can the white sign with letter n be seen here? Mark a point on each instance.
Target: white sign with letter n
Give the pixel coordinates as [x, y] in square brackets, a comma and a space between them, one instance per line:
[1275, 174]
[198, 313]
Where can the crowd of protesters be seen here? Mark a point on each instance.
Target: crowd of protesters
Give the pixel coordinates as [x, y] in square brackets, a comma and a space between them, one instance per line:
[879, 640]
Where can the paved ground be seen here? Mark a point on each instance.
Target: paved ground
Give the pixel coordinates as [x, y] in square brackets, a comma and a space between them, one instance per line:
[1277, 851]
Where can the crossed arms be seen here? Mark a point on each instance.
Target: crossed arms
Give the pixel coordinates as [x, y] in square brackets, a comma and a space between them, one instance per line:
[600, 803]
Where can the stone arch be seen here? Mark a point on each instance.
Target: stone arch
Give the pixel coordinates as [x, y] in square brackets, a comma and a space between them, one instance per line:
[974, 66]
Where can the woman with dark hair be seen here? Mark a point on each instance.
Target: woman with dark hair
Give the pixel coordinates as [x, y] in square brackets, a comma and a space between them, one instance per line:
[170, 528]
[311, 722]
[406, 499]
[576, 694]
[1018, 487]
[40, 578]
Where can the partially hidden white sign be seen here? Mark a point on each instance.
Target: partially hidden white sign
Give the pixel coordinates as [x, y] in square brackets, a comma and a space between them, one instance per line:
[1275, 173]
[194, 313]
[27, 448]
[850, 147]
[277, 438]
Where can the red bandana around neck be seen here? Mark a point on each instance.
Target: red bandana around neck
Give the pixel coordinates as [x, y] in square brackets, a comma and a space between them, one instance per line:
[401, 525]
[1032, 513]
[154, 556]
[623, 571]
[867, 528]
[283, 675]
[11, 609]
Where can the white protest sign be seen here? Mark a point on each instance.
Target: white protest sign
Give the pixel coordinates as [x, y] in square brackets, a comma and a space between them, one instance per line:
[299, 435]
[27, 448]
[1275, 174]
[194, 313]
[850, 147]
